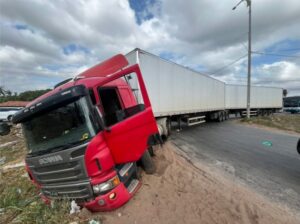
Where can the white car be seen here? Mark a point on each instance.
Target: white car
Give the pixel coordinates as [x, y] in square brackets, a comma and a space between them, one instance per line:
[6, 113]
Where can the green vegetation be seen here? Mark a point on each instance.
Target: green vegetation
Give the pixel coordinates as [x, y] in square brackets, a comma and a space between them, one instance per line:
[20, 201]
[279, 121]
[19, 197]
[7, 95]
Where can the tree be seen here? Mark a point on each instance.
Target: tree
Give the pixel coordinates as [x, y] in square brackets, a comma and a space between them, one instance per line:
[284, 92]
[31, 95]
[2, 91]
[7, 95]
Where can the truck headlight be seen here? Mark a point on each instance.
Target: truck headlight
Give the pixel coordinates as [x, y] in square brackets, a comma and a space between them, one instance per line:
[106, 186]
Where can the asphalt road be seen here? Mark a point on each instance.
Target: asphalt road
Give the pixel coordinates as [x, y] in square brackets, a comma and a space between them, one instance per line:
[267, 161]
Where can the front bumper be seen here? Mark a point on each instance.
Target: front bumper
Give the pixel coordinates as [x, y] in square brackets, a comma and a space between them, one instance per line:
[104, 203]
[119, 195]
[111, 200]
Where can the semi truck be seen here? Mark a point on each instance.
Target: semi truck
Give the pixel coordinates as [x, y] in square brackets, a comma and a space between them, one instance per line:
[86, 137]
[291, 104]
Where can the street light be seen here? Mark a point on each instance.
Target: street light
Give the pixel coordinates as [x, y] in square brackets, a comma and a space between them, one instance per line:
[249, 55]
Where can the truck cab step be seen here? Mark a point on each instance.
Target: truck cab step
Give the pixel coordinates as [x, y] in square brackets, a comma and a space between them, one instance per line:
[133, 185]
[125, 169]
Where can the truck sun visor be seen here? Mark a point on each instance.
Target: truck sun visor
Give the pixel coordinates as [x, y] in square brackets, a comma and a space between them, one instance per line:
[50, 103]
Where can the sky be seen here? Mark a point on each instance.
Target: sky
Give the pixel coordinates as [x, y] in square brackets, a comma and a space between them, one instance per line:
[44, 42]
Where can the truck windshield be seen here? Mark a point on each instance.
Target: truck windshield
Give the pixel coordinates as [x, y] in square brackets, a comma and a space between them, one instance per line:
[60, 128]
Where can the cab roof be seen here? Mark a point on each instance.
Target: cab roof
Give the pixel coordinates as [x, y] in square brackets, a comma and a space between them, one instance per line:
[92, 77]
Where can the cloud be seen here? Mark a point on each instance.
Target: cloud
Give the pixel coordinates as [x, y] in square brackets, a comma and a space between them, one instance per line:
[53, 40]
[279, 73]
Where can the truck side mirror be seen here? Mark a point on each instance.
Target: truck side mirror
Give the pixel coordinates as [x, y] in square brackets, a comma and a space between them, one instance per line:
[4, 128]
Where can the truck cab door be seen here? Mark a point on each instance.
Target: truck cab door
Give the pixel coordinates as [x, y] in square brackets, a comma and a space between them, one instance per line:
[129, 117]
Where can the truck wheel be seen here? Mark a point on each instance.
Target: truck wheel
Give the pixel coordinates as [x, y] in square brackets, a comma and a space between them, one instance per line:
[227, 115]
[148, 163]
[298, 146]
[9, 118]
[168, 124]
[259, 113]
[4, 128]
[219, 117]
[151, 151]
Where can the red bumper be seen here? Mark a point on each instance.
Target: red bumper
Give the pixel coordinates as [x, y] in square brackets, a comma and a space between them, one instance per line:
[104, 203]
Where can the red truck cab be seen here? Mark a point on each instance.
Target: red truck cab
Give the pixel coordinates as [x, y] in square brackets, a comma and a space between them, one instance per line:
[85, 136]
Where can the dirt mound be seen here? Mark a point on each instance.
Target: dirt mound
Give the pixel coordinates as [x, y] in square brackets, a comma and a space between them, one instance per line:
[184, 193]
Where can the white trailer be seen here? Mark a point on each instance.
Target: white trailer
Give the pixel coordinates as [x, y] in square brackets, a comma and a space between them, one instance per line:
[261, 97]
[174, 89]
[263, 100]
[177, 92]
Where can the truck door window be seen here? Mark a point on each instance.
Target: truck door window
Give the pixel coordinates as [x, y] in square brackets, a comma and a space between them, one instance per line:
[133, 84]
[111, 105]
[121, 98]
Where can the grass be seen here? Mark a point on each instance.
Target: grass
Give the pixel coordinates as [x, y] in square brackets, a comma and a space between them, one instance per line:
[20, 201]
[286, 122]
[19, 198]
[13, 153]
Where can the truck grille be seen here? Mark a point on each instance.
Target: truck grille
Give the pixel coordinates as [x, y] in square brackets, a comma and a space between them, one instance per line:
[76, 191]
[64, 177]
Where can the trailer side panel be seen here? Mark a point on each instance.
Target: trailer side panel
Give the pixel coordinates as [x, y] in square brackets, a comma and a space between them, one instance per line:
[174, 89]
[261, 97]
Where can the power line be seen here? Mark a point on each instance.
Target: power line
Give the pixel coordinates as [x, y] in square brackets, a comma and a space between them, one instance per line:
[244, 46]
[291, 49]
[276, 55]
[226, 66]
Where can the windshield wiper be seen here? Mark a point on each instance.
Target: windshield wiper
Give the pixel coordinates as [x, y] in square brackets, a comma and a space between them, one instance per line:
[50, 150]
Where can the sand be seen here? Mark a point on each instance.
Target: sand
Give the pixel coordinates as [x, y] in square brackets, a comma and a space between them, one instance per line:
[183, 192]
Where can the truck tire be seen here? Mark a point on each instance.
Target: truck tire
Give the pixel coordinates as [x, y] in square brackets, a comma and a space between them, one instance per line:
[151, 151]
[298, 146]
[4, 128]
[9, 118]
[219, 117]
[259, 113]
[226, 115]
[147, 163]
[168, 123]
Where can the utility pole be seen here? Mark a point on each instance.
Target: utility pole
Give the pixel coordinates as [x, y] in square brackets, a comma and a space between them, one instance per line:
[249, 56]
